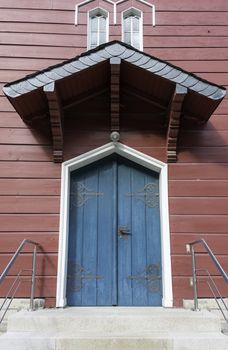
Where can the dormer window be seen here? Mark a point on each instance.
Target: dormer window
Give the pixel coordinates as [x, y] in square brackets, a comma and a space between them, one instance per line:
[132, 28]
[97, 27]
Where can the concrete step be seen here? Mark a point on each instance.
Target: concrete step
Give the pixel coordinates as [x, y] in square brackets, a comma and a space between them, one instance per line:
[116, 328]
[212, 306]
[152, 341]
[224, 327]
[121, 320]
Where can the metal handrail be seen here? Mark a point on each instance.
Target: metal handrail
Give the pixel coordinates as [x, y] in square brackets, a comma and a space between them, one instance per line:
[214, 289]
[190, 248]
[11, 263]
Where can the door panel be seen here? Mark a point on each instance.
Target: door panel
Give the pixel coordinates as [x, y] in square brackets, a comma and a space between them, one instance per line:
[114, 236]
[139, 254]
[124, 243]
[91, 238]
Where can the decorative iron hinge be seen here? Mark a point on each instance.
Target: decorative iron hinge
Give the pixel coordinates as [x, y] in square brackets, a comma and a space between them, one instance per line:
[80, 194]
[150, 278]
[77, 274]
[149, 195]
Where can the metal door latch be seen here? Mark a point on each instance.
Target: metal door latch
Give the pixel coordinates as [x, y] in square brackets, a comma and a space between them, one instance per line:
[123, 232]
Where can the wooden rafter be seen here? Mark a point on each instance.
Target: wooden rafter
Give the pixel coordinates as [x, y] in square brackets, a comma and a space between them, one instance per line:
[115, 93]
[142, 97]
[56, 117]
[174, 122]
[88, 95]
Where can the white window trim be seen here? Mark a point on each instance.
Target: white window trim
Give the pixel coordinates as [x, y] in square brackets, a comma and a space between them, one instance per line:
[91, 13]
[139, 158]
[84, 2]
[137, 12]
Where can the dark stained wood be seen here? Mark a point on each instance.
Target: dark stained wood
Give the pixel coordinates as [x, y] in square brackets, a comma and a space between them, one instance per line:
[218, 242]
[10, 75]
[182, 264]
[161, 30]
[27, 15]
[48, 241]
[56, 120]
[86, 138]
[45, 287]
[204, 138]
[145, 139]
[189, 53]
[23, 136]
[218, 122]
[199, 223]
[29, 204]
[165, 5]
[183, 290]
[152, 100]
[27, 153]
[21, 65]
[223, 108]
[32, 4]
[199, 205]
[201, 188]
[218, 78]
[131, 138]
[41, 51]
[198, 67]
[29, 222]
[203, 154]
[29, 170]
[46, 264]
[175, 110]
[198, 171]
[33, 186]
[5, 105]
[84, 97]
[73, 40]
[190, 5]
[62, 53]
[11, 120]
[184, 41]
[115, 93]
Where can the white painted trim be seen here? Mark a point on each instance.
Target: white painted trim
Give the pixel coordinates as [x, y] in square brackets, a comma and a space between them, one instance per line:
[139, 158]
[114, 9]
[91, 13]
[133, 11]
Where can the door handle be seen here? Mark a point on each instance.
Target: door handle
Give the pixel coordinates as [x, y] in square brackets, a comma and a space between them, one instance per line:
[123, 232]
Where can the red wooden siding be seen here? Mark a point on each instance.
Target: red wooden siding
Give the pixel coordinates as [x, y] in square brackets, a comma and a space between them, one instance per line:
[37, 33]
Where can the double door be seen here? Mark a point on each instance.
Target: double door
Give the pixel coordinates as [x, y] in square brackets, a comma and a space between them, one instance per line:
[114, 254]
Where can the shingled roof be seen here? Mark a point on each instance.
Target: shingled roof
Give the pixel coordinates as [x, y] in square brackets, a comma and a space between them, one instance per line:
[117, 70]
[124, 52]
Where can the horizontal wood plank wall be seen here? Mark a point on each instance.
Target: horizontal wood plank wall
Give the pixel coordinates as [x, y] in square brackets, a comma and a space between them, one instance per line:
[35, 34]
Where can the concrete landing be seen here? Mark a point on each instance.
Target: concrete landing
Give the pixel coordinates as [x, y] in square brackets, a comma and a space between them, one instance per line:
[117, 328]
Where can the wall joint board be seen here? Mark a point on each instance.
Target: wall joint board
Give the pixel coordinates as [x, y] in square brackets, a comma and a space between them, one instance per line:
[56, 120]
[174, 116]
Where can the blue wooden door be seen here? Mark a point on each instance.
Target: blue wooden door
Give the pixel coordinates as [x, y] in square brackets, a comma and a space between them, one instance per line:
[114, 236]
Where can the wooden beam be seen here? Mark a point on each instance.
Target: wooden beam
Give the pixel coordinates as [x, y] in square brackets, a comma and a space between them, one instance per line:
[174, 122]
[84, 97]
[149, 99]
[115, 93]
[56, 117]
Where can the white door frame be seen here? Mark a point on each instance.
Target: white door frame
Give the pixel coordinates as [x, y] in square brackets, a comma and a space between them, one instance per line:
[139, 158]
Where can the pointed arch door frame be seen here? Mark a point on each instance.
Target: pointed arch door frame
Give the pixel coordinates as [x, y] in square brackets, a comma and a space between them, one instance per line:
[138, 158]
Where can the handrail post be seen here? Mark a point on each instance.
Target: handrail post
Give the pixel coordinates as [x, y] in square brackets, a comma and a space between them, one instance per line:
[194, 277]
[33, 284]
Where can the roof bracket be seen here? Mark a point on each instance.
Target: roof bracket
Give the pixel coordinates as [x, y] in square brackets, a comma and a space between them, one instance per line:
[115, 93]
[56, 116]
[174, 122]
